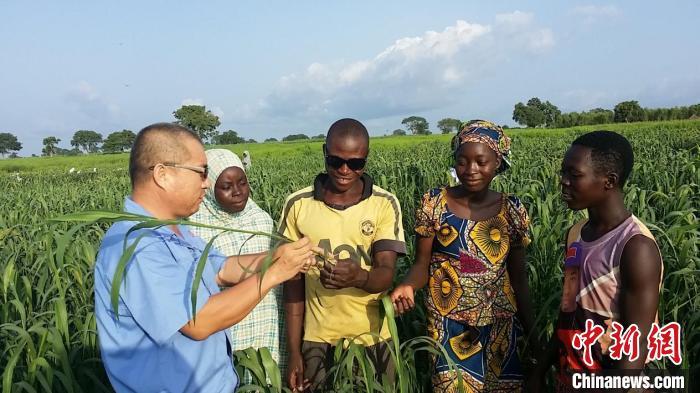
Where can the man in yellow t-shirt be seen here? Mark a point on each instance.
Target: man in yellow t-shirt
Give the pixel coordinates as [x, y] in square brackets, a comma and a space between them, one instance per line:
[359, 224]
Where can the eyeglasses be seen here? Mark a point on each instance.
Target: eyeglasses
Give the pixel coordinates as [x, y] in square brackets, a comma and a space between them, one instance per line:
[354, 164]
[202, 170]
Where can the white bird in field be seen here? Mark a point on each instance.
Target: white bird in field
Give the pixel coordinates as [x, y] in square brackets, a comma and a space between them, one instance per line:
[71, 170]
[246, 160]
[94, 169]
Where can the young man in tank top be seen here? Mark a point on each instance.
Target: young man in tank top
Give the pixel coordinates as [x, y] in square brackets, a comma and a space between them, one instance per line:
[613, 266]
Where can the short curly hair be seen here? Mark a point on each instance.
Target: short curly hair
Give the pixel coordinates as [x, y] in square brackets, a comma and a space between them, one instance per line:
[347, 128]
[610, 152]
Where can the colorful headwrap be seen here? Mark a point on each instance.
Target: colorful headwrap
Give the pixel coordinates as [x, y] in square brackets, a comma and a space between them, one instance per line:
[490, 134]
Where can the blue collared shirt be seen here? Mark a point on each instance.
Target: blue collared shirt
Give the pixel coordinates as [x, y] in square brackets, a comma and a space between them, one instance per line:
[144, 350]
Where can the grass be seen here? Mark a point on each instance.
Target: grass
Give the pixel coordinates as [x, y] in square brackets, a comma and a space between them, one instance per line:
[47, 322]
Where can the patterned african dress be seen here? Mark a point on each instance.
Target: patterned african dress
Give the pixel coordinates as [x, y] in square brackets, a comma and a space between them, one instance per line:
[470, 302]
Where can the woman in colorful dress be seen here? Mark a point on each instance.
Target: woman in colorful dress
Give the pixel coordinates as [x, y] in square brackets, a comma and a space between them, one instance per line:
[227, 203]
[470, 251]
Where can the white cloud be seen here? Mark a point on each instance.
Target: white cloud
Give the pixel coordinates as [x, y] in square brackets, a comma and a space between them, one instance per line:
[90, 103]
[593, 13]
[541, 40]
[411, 75]
[217, 111]
[86, 91]
[514, 20]
[518, 27]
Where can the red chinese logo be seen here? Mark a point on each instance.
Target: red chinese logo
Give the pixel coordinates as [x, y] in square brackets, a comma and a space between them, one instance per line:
[662, 342]
[584, 341]
[665, 342]
[624, 342]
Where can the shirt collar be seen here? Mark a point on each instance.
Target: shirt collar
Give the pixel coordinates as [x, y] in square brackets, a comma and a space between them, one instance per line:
[130, 206]
[322, 177]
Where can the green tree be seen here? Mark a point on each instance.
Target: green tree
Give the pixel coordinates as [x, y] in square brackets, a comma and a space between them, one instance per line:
[86, 140]
[198, 119]
[551, 113]
[119, 141]
[50, 145]
[694, 110]
[628, 111]
[294, 137]
[416, 125]
[67, 152]
[229, 137]
[449, 125]
[8, 143]
[536, 113]
[271, 140]
[320, 136]
[530, 116]
[251, 140]
[600, 116]
[398, 132]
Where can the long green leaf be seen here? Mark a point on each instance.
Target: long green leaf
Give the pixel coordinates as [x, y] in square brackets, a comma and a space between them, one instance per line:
[148, 221]
[63, 241]
[248, 358]
[10, 369]
[198, 276]
[119, 273]
[401, 374]
[99, 216]
[271, 370]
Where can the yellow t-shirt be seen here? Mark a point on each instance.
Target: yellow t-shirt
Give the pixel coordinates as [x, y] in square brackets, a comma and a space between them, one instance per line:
[355, 232]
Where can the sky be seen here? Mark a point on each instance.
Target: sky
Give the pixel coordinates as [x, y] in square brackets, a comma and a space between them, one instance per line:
[274, 68]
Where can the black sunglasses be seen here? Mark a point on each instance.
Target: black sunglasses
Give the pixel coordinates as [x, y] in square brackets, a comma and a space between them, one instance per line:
[354, 164]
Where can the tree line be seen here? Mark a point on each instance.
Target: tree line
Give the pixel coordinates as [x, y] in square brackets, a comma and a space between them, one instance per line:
[195, 117]
[417, 125]
[88, 141]
[538, 113]
[534, 113]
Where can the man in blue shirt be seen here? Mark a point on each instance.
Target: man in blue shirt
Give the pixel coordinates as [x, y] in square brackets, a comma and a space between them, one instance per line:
[151, 343]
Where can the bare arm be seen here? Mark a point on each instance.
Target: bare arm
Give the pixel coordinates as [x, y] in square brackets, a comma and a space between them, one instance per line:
[640, 274]
[294, 297]
[239, 267]
[403, 296]
[417, 276]
[379, 278]
[294, 311]
[230, 306]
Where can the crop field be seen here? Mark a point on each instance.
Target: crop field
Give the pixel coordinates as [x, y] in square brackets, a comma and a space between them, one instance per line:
[47, 323]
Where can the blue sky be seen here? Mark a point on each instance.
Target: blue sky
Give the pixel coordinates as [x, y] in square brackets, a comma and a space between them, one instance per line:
[274, 68]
